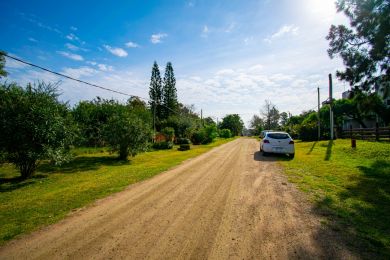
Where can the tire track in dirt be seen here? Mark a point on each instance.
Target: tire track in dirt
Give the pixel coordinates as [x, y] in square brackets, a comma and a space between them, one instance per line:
[228, 203]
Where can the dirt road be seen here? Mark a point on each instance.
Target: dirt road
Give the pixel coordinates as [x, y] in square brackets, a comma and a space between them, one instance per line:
[230, 203]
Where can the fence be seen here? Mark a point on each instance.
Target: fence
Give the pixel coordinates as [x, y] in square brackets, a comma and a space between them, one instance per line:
[373, 134]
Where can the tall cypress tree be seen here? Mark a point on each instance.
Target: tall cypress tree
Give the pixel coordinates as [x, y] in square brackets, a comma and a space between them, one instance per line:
[155, 92]
[169, 91]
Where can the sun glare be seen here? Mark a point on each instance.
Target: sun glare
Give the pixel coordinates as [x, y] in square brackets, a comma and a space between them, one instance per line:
[323, 9]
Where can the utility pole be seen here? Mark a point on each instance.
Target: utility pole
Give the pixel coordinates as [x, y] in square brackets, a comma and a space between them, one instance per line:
[331, 106]
[318, 115]
[201, 116]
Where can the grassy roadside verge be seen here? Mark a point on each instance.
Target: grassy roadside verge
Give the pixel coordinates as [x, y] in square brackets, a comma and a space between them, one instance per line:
[350, 187]
[93, 174]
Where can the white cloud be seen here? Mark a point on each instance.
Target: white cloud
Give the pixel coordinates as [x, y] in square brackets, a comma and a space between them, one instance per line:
[31, 39]
[79, 72]
[72, 37]
[72, 47]
[132, 45]
[73, 28]
[13, 64]
[116, 51]
[71, 56]
[283, 31]
[157, 38]
[104, 67]
[231, 27]
[92, 63]
[205, 31]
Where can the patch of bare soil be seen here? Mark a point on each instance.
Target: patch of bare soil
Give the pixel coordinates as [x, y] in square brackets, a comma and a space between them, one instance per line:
[230, 203]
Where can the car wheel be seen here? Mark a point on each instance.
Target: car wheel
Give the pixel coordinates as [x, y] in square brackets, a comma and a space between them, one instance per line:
[265, 153]
[292, 155]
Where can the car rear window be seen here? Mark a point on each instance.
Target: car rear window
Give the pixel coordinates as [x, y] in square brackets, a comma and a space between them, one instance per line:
[278, 136]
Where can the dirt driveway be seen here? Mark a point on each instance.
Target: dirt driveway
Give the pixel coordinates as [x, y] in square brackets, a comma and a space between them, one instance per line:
[230, 203]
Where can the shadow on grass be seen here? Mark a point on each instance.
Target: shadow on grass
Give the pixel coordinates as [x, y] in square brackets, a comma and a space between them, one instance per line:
[78, 165]
[312, 148]
[14, 183]
[82, 164]
[258, 156]
[366, 218]
[329, 150]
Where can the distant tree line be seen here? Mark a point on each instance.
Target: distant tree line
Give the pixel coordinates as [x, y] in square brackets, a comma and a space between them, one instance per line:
[35, 125]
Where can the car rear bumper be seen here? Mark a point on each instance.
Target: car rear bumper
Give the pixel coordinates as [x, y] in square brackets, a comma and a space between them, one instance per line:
[268, 148]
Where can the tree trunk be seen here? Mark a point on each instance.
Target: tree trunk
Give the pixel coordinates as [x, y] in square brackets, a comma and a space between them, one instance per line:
[123, 153]
[27, 169]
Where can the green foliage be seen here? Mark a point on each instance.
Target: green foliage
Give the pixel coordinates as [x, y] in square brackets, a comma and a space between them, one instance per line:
[169, 133]
[126, 133]
[184, 147]
[156, 93]
[350, 186]
[56, 191]
[169, 92]
[163, 145]
[232, 122]
[211, 133]
[271, 116]
[91, 117]
[34, 126]
[3, 73]
[257, 124]
[364, 48]
[225, 133]
[183, 141]
[308, 131]
[198, 137]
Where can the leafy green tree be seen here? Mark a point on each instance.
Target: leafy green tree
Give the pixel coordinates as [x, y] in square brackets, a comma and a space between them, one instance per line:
[257, 124]
[126, 133]
[34, 125]
[156, 94]
[234, 123]
[225, 133]
[365, 47]
[209, 121]
[140, 109]
[169, 92]
[270, 116]
[91, 116]
[169, 133]
[3, 73]
[283, 119]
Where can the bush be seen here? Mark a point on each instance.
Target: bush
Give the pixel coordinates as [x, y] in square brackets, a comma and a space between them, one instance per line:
[308, 131]
[225, 133]
[126, 133]
[169, 133]
[198, 137]
[163, 145]
[34, 125]
[183, 141]
[211, 133]
[184, 147]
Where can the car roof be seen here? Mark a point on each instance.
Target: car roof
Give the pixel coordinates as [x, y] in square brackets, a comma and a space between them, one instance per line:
[280, 132]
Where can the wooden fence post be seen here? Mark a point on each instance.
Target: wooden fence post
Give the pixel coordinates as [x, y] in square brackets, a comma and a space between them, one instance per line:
[376, 131]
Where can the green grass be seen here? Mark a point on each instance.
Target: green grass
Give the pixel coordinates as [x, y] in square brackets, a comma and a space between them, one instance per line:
[53, 192]
[349, 186]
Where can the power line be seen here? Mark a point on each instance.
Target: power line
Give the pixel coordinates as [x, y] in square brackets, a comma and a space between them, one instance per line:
[82, 81]
[71, 78]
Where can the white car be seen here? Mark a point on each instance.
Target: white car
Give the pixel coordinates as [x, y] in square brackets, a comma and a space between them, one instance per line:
[277, 142]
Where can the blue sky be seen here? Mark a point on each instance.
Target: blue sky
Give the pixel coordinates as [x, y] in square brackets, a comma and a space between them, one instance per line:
[228, 56]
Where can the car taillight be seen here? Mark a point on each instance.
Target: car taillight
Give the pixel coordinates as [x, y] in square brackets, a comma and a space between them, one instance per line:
[266, 141]
[291, 142]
